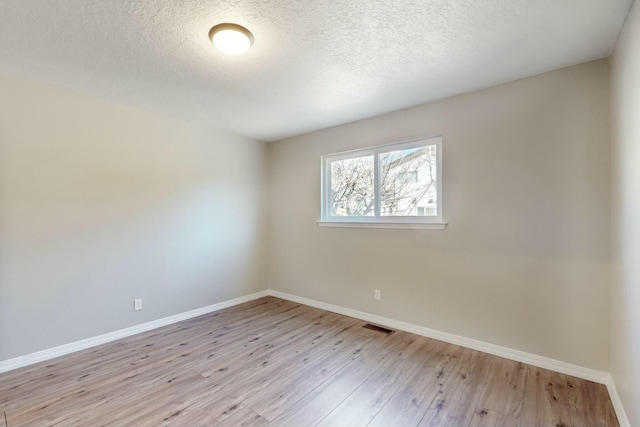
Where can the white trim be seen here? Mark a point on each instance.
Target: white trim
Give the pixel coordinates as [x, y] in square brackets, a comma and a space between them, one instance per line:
[409, 226]
[496, 350]
[623, 420]
[30, 359]
[508, 353]
[517, 355]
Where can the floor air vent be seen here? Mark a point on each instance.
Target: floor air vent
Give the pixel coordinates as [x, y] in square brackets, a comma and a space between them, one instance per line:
[378, 328]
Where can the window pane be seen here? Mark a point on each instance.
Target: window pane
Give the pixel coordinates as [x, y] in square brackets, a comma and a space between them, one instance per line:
[352, 191]
[408, 182]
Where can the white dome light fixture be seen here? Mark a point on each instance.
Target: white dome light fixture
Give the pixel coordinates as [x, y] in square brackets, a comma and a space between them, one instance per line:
[231, 39]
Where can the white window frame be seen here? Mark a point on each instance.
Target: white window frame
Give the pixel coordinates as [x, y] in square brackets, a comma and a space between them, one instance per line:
[378, 221]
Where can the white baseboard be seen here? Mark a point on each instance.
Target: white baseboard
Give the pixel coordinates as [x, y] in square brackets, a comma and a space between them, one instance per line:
[29, 359]
[507, 353]
[617, 403]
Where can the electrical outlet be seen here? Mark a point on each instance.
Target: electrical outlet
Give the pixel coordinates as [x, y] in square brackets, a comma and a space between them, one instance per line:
[377, 295]
[137, 304]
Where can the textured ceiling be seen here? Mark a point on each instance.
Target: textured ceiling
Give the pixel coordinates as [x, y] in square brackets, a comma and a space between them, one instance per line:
[314, 63]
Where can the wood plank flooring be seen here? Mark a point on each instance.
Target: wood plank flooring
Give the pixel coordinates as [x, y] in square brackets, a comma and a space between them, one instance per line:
[272, 362]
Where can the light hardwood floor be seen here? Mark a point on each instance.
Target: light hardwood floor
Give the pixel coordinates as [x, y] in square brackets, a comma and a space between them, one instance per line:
[272, 362]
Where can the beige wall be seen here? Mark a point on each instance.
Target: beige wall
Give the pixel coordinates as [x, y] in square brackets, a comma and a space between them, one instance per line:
[625, 288]
[524, 262]
[101, 204]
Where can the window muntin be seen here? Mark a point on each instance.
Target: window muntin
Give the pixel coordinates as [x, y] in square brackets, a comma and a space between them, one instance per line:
[394, 183]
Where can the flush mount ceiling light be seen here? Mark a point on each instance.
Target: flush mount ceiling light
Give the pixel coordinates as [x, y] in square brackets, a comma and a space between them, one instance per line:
[231, 39]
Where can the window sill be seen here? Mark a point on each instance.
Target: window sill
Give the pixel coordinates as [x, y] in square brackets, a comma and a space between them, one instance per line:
[396, 225]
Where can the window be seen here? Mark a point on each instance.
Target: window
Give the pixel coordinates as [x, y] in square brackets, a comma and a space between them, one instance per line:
[390, 185]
